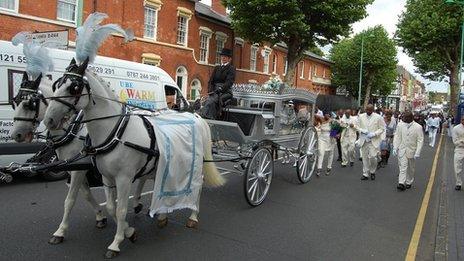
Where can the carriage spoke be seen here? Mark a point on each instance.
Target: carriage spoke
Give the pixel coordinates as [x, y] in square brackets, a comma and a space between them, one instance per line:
[253, 186]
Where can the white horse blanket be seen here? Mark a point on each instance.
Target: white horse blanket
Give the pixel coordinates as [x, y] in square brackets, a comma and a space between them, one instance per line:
[179, 176]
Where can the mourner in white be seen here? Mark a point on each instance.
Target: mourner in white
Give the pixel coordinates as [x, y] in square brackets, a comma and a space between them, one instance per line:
[371, 127]
[458, 140]
[433, 123]
[407, 145]
[348, 138]
[326, 144]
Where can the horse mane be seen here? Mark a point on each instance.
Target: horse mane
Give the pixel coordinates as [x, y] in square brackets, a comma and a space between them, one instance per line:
[106, 85]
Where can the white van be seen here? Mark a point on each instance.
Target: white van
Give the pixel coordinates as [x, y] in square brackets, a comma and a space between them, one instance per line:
[136, 84]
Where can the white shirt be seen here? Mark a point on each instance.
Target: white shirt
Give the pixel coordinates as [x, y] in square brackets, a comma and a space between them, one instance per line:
[408, 139]
[433, 122]
[348, 133]
[373, 124]
[458, 136]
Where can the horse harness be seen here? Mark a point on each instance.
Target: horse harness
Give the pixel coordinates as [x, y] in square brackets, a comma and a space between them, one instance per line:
[78, 83]
[29, 90]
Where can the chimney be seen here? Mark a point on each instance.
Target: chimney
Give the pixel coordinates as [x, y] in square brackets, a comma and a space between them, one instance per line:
[218, 7]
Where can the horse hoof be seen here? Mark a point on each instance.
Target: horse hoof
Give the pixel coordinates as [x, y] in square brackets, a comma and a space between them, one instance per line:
[162, 223]
[138, 208]
[192, 224]
[133, 238]
[110, 254]
[101, 223]
[54, 240]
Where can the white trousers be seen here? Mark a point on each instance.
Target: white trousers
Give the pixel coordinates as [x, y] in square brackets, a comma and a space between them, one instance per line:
[320, 158]
[432, 136]
[458, 161]
[369, 158]
[348, 152]
[407, 169]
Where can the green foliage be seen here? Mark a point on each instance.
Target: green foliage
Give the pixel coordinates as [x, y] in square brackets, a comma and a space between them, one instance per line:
[430, 32]
[299, 24]
[316, 50]
[379, 63]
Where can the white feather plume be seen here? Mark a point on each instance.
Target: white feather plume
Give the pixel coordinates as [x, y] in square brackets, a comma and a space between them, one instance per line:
[91, 35]
[37, 57]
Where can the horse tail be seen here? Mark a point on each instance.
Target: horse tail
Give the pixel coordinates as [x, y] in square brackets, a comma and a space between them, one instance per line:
[212, 176]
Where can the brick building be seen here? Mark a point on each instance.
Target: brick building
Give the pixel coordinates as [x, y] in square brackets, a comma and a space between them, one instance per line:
[183, 37]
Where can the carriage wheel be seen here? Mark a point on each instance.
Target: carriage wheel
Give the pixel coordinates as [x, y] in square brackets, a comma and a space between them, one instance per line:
[307, 155]
[258, 176]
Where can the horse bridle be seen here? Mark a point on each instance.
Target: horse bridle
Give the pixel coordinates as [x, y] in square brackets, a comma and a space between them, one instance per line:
[28, 90]
[78, 83]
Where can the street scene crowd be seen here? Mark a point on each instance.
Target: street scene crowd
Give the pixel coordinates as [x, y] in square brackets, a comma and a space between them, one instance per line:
[376, 135]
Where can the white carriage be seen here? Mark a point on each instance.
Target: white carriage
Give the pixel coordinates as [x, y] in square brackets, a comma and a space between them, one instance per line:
[261, 126]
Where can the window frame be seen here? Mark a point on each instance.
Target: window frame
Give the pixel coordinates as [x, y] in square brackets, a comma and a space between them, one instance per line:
[76, 9]
[274, 63]
[302, 64]
[285, 65]
[155, 27]
[219, 50]
[14, 10]
[267, 60]
[186, 17]
[253, 58]
[207, 33]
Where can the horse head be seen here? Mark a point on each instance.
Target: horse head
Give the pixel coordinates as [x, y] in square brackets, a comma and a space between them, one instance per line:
[71, 94]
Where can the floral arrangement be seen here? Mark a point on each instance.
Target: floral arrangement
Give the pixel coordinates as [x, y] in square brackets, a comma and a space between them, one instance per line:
[335, 129]
[273, 83]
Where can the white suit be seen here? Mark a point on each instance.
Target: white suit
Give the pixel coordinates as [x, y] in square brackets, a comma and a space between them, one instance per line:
[408, 141]
[371, 131]
[432, 126]
[458, 140]
[326, 144]
[348, 139]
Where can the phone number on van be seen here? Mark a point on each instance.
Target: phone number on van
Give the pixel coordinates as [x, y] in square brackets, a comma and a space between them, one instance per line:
[12, 58]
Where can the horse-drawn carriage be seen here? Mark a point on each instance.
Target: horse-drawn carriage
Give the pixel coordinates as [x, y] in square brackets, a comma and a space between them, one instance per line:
[260, 126]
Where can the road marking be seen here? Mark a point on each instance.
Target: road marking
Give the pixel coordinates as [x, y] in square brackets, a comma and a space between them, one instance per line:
[132, 196]
[414, 243]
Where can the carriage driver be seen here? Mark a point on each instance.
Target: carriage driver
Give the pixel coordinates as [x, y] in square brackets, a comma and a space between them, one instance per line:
[219, 86]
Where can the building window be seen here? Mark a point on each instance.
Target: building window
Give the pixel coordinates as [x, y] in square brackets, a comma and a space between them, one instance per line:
[205, 36]
[314, 70]
[285, 65]
[220, 42]
[323, 73]
[302, 65]
[182, 29]
[10, 5]
[267, 54]
[151, 21]
[274, 63]
[67, 10]
[181, 79]
[195, 90]
[253, 56]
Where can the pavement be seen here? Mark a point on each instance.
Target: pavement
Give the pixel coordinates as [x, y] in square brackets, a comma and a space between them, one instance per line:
[336, 217]
[451, 208]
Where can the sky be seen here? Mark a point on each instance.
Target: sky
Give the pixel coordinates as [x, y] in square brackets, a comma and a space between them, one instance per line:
[386, 12]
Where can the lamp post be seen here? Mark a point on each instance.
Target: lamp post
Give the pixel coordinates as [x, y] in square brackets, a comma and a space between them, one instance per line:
[461, 3]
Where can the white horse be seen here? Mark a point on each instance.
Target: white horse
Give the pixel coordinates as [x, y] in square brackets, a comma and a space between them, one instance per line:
[83, 90]
[31, 104]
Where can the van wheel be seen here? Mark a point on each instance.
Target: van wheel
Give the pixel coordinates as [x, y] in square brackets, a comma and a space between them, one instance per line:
[53, 176]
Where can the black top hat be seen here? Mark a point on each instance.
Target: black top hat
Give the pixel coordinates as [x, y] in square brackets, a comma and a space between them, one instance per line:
[226, 52]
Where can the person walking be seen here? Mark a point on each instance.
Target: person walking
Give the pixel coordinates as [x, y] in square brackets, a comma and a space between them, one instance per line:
[433, 123]
[371, 127]
[458, 140]
[387, 143]
[348, 138]
[326, 143]
[340, 114]
[407, 145]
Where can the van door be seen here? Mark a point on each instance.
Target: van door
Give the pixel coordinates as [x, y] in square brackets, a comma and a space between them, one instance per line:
[175, 99]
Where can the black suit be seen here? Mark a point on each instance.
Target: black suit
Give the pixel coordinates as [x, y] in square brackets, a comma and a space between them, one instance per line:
[220, 90]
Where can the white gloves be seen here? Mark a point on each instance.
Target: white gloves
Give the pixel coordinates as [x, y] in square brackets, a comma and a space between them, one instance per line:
[416, 156]
[395, 152]
[370, 135]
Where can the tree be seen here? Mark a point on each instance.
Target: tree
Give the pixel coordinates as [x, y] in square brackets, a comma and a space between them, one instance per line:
[429, 32]
[379, 63]
[316, 50]
[301, 25]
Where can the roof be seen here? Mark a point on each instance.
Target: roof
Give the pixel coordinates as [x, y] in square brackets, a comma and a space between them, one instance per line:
[206, 11]
[308, 53]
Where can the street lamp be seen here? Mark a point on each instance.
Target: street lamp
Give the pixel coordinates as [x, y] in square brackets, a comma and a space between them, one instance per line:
[361, 69]
[461, 3]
